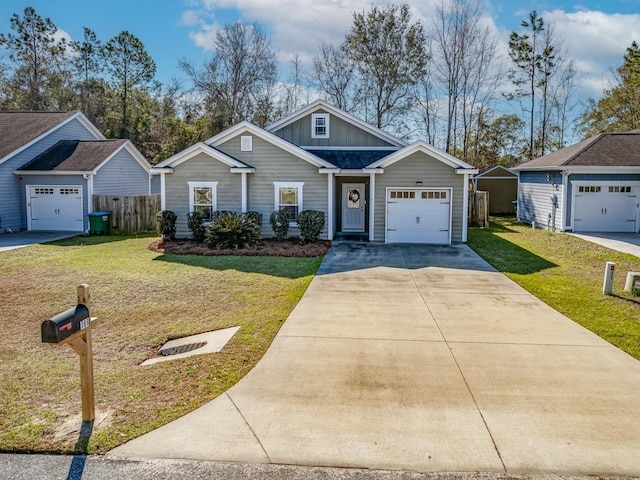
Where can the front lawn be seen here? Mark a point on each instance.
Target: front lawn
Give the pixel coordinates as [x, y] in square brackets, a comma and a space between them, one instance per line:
[142, 299]
[566, 273]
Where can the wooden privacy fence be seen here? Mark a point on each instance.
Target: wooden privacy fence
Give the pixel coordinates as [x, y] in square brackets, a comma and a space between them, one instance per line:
[479, 209]
[129, 214]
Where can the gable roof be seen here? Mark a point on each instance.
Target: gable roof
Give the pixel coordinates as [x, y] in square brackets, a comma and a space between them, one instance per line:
[603, 150]
[269, 137]
[499, 170]
[80, 156]
[19, 130]
[347, 117]
[197, 149]
[421, 146]
[351, 159]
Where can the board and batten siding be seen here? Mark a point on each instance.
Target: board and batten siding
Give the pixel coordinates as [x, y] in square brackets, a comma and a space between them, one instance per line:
[201, 168]
[433, 174]
[273, 164]
[122, 175]
[13, 213]
[535, 193]
[45, 180]
[341, 134]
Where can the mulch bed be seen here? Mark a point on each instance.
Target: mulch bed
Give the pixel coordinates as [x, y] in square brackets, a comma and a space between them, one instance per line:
[290, 247]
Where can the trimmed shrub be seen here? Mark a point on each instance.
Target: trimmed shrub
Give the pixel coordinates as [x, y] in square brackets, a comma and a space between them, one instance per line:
[279, 221]
[254, 217]
[311, 223]
[195, 223]
[166, 224]
[232, 230]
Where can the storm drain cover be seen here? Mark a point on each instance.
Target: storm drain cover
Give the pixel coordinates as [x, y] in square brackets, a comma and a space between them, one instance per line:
[182, 348]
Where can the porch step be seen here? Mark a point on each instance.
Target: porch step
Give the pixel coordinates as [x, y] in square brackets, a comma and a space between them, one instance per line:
[352, 236]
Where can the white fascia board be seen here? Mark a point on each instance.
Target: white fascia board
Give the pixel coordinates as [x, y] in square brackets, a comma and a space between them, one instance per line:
[497, 167]
[160, 170]
[135, 153]
[78, 115]
[372, 149]
[424, 147]
[347, 117]
[478, 177]
[351, 171]
[27, 173]
[539, 168]
[242, 170]
[245, 126]
[466, 171]
[197, 149]
[602, 170]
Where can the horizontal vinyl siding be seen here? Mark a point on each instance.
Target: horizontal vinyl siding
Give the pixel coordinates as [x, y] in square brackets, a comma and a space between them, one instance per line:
[201, 168]
[272, 164]
[535, 190]
[433, 174]
[13, 212]
[341, 134]
[155, 185]
[122, 175]
[71, 180]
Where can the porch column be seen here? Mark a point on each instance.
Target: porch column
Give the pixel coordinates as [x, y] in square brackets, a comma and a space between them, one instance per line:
[90, 193]
[465, 207]
[330, 203]
[244, 191]
[372, 204]
[163, 196]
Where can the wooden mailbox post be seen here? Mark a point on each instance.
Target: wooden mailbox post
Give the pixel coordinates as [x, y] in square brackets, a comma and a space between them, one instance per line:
[79, 341]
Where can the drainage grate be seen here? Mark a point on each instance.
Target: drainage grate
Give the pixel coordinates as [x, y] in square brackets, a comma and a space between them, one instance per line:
[182, 348]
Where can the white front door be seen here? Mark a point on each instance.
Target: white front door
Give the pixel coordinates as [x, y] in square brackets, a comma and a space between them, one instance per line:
[54, 207]
[605, 208]
[353, 203]
[419, 215]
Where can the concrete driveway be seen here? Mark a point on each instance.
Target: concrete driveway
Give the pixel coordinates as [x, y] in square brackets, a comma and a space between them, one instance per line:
[11, 241]
[622, 242]
[421, 358]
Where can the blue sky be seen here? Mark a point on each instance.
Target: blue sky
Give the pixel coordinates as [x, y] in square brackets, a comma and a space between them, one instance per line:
[595, 32]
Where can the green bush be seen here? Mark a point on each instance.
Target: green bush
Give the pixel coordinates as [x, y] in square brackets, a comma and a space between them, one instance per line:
[166, 224]
[254, 217]
[311, 223]
[279, 221]
[232, 230]
[219, 214]
[195, 223]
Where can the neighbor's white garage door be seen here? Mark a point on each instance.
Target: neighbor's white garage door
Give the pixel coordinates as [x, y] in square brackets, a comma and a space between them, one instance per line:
[605, 208]
[419, 215]
[54, 207]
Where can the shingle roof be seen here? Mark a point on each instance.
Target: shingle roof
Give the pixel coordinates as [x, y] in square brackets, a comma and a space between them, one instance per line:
[19, 128]
[604, 150]
[74, 155]
[351, 158]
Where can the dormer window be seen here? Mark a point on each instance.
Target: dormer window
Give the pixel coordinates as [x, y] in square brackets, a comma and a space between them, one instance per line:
[320, 125]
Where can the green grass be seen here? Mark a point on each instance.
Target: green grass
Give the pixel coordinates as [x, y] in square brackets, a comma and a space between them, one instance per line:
[566, 273]
[142, 299]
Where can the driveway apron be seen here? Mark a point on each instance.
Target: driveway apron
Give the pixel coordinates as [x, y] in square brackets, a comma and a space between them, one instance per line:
[421, 358]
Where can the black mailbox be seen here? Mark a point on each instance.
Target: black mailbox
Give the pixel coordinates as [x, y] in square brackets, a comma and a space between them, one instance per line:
[65, 324]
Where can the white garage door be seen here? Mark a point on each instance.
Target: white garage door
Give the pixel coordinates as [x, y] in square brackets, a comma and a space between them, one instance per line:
[419, 215]
[605, 208]
[54, 207]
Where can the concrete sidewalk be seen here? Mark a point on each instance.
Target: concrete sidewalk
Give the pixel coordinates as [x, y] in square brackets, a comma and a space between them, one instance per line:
[11, 241]
[421, 358]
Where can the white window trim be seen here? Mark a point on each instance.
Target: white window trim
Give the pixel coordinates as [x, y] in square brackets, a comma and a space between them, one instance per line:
[276, 196]
[214, 194]
[313, 125]
[246, 143]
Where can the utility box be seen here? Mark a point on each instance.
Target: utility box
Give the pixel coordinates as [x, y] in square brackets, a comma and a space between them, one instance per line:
[633, 282]
[65, 324]
[99, 223]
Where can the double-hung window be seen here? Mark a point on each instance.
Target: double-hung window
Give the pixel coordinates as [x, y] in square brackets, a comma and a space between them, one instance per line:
[320, 125]
[202, 198]
[288, 196]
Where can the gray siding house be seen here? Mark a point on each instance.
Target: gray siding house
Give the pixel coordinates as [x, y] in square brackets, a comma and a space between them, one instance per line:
[52, 163]
[592, 186]
[369, 184]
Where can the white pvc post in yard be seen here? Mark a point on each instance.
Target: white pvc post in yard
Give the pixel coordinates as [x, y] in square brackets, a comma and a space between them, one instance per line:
[609, 270]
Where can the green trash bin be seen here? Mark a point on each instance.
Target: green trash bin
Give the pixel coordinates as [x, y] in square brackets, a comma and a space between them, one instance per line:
[99, 223]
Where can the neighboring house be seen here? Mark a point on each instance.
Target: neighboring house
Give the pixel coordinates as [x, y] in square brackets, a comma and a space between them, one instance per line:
[592, 186]
[368, 183]
[502, 185]
[51, 163]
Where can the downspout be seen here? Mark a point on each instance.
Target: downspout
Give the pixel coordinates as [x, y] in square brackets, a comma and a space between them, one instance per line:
[330, 204]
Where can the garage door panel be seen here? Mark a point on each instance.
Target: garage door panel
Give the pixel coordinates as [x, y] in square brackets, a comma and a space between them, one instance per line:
[419, 216]
[56, 208]
[605, 208]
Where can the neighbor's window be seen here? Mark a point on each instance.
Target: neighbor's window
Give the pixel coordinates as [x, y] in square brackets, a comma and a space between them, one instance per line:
[202, 198]
[288, 196]
[320, 125]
